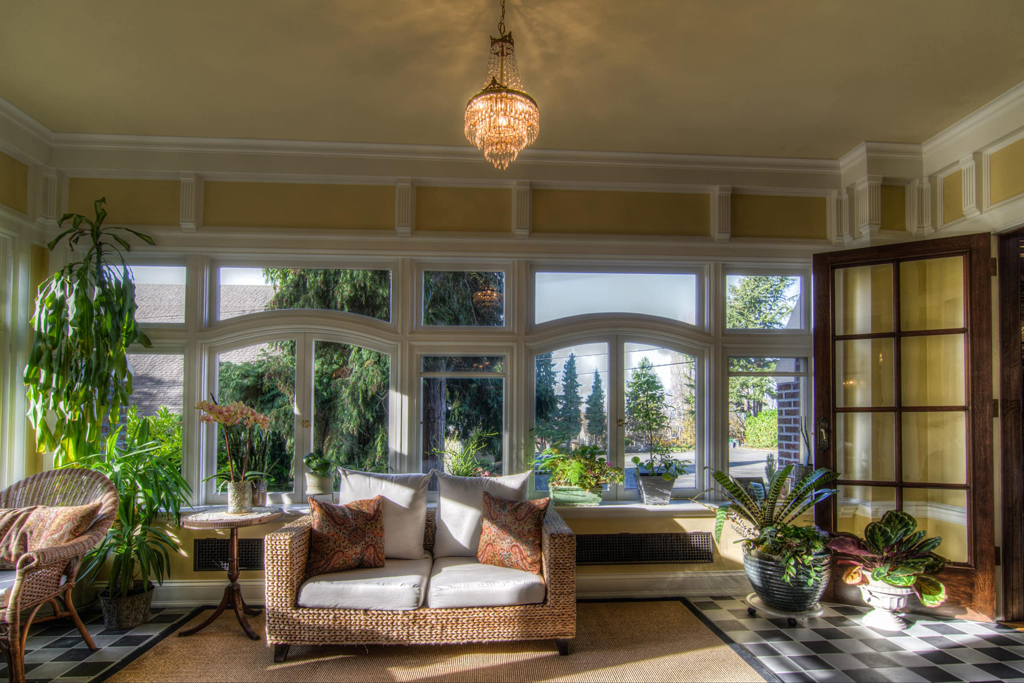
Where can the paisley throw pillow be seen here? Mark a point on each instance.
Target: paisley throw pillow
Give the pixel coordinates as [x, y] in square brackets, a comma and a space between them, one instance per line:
[13, 539]
[346, 536]
[511, 533]
[51, 526]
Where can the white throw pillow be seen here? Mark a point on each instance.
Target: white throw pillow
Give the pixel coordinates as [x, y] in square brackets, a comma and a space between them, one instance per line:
[405, 507]
[460, 503]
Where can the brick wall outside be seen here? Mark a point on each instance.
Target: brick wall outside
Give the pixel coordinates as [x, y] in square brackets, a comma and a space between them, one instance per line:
[788, 399]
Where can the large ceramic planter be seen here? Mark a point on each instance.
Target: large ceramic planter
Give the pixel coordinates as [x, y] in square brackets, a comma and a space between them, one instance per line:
[319, 486]
[239, 497]
[887, 602]
[574, 496]
[130, 611]
[259, 493]
[654, 489]
[765, 574]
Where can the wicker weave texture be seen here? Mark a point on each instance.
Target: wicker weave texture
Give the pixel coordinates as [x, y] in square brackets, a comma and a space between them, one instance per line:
[286, 551]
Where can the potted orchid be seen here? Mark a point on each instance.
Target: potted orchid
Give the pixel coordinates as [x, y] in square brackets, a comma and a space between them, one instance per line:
[246, 438]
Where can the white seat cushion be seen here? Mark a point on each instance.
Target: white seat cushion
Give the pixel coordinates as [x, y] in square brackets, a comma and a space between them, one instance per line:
[460, 504]
[398, 585]
[405, 507]
[464, 582]
[6, 584]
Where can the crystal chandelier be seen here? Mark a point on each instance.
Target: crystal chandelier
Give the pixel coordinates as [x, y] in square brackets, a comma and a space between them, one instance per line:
[501, 119]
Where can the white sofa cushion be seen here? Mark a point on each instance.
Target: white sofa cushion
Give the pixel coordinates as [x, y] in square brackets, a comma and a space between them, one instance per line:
[7, 583]
[460, 502]
[398, 585]
[464, 582]
[405, 507]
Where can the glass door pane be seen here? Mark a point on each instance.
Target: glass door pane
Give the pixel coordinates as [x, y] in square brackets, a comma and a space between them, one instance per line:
[660, 407]
[262, 376]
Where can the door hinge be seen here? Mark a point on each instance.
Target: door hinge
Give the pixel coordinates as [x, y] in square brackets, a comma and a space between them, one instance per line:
[995, 407]
[999, 556]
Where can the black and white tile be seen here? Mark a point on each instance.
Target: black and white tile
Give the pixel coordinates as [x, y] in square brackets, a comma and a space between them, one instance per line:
[55, 650]
[837, 647]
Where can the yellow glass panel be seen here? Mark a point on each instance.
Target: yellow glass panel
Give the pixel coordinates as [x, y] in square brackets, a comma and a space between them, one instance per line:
[943, 513]
[866, 446]
[864, 300]
[932, 370]
[932, 294]
[858, 506]
[865, 375]
[935, 448]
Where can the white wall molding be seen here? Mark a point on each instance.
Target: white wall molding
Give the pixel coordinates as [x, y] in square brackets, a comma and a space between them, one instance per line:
[867, 206]
[919, 207]
[721, 213]
[522, 212]
[634, 584]
[986, 171]
[969, 186]
[405, 206]
[191, 209]
[890, 159]
[842, 218]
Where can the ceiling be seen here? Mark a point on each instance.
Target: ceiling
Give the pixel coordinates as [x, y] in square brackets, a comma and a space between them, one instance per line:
[780, 78]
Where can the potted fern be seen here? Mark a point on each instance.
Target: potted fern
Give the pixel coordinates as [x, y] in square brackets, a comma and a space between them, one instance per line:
[892, 562]
[787, 563]
[578, 477]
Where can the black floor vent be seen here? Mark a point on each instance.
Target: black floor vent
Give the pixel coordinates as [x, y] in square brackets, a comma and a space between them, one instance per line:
[211, 554]
[693, 547]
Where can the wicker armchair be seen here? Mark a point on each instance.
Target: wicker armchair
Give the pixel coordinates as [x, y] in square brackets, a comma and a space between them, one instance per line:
[47, 575]
[286, 551]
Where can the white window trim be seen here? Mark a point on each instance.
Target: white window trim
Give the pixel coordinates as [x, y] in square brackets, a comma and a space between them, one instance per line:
[511, 300]
[782, 270]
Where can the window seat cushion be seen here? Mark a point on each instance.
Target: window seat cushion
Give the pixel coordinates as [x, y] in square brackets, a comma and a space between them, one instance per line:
[465, 582]
[397, 586]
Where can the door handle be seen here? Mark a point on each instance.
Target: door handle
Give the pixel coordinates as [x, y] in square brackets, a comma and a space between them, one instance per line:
[620, 422]
[824, 434]
[305, 424]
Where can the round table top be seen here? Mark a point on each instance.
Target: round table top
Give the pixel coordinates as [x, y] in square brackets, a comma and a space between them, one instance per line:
[219, 518]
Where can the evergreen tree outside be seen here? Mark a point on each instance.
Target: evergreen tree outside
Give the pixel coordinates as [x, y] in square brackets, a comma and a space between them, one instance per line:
[597, 421]
[645, 407]
[570, 415]
[546, 413]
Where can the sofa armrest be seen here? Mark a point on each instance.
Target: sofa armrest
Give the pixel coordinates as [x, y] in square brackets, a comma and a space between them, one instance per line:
[558, 545]
[285, 553]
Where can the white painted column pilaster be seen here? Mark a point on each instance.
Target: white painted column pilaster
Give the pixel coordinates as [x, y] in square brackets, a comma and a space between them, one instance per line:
[919, 207]
[842, 218]
[721, 213]
[868, 205]
[405, 206]
[191, 208]
[522, 207]
[969, 183]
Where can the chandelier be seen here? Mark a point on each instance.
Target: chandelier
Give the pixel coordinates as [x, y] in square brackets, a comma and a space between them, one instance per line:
[501, 119]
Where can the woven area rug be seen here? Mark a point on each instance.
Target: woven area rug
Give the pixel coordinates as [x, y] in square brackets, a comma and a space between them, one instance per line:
[616, 641]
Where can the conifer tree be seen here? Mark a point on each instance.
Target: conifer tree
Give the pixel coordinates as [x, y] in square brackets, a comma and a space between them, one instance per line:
[546, 398]
[570, 416]
[597, 422]
[645, 406]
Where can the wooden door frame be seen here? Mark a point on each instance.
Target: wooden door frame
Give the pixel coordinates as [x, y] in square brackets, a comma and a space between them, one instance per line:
[1010, 424]
[978, 354]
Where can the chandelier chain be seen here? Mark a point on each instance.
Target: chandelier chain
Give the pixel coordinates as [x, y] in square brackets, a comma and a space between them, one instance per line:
[501, 22]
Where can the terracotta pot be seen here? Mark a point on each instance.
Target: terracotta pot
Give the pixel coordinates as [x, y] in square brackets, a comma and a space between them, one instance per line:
[239, 497]
[887, 601]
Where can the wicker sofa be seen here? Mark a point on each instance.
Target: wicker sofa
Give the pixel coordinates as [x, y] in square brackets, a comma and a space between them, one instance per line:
[286, 551]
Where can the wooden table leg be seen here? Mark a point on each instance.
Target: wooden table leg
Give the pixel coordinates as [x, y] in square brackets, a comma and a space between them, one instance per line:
[232, 596]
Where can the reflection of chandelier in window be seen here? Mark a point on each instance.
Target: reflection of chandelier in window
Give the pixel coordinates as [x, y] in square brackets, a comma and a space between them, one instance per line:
[488, 300]
[501, 119]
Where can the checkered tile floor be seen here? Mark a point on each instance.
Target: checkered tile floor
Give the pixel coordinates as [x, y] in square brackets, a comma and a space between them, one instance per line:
[836, 647]
[55, 650]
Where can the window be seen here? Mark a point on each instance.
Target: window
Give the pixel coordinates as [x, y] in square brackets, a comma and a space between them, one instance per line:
[158, 393]
[665, 295]
[462, 414]
[244, 291]
[764, 302]
[159, 293]
[463, 298]
[767, 414]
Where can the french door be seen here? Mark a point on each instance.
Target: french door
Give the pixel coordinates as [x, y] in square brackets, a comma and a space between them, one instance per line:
[903, 401]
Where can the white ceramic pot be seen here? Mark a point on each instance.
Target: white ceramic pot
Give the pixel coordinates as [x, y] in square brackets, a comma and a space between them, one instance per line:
[319, 486]
[239, 497]
[887, 602]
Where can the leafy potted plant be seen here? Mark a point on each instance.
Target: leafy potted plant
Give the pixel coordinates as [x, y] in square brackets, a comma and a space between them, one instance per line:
[787, 564]
[78, 377]
[893, 561]
[463, 459]
[579, 476]
[246, 438]
[659, 475]
[320, 477]
[646, 419]
[149, 483]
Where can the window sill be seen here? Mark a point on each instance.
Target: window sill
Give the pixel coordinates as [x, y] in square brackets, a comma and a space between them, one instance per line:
[681, 508]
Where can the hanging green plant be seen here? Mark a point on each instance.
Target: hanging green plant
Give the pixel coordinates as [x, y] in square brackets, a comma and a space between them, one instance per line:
[77, 377]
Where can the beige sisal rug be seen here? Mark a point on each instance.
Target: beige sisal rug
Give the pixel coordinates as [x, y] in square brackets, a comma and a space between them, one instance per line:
[615, 641]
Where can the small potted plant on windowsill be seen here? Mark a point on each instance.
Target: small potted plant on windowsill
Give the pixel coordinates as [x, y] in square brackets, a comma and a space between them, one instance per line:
[578, 477]
[893, 561]
[659, 475]
[320, 477]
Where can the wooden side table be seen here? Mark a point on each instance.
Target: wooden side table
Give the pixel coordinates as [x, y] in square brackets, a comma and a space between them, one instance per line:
[218, 518]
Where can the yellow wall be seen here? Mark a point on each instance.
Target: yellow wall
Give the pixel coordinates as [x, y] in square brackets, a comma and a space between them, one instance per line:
[952, 197]
[755, 215]
[1006, 172]
[463, 209]
[894, 207]
[620, 213]
[13, 183]
[295, 205]
[129, 201]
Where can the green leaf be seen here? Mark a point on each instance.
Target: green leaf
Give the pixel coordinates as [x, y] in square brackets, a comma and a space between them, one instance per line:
[930, 591]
